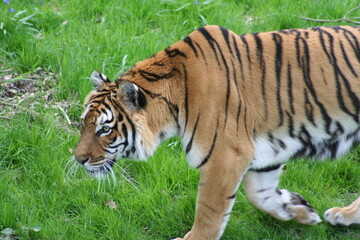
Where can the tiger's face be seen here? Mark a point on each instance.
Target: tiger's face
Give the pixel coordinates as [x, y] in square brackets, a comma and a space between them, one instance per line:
[112, 125]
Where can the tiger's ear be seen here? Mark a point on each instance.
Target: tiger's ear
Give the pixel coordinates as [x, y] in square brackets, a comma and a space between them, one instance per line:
[98, 79]
[131, 96]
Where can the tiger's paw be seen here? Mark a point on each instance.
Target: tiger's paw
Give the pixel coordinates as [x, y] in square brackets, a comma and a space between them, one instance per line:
[299, 209]
[303, 214]
[186, 237]
[343, 217]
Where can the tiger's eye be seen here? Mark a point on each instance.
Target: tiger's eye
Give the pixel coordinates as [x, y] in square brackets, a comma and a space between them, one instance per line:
[106, 129]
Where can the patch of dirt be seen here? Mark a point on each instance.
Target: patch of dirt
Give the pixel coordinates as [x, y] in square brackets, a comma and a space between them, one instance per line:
[19, 87]
[31, 92]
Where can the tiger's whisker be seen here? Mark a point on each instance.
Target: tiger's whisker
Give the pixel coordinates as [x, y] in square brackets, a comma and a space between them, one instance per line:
[71, 167]
[126, 176]
[111, 173]
[124, 172]
[109, 170]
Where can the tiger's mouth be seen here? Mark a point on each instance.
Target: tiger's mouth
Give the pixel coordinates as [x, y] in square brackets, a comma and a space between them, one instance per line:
[99, 169]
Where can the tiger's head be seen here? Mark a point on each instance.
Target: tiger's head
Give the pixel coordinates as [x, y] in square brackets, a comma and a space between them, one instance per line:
[117, 123]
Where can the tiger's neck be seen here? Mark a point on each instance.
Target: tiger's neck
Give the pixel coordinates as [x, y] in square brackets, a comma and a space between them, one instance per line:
[161, 78]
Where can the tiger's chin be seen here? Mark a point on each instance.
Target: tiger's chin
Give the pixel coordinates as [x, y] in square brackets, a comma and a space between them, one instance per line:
[99, 171]
[97, 174]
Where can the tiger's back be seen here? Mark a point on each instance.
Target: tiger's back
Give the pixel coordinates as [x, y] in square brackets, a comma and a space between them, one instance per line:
[299, 87]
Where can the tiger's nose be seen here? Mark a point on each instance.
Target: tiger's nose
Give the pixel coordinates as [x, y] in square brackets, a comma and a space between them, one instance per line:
[82, 160]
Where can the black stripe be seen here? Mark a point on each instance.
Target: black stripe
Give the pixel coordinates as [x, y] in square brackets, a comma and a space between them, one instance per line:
[276, 142]
[333, 149]
[238, 95]
[107, 151]
[235, 79]
[208, 207]
[102, 92]
[232, 196]
[95, 98]
[308, 108]
[159, 64]
[111, 113]
[246, 123]
[339, 129]
[290, 124]
[346, 58]
[152, 77]
[244, 42]
[264, 190]
[238, 116]
[266, 169]
[305, 138]
[189, 42]
[238, 57]
[189, 145]
[278, 63]
[210, 40]
[211, 148]
[323, 76]
[115, 127]
[306, 34]
[259, 53]
[102, 110]
[225, 34]
[273, 143]
[186, 92]
[228, 89]
[120, 117]
[107, 106]
[133, 129]
[124, 130]
[95, 101]
[174, 52]
[110, 120]
[297, 47]
[290, 89]
[243, 39]
[202, 52]
[125, 143]
[259, 48]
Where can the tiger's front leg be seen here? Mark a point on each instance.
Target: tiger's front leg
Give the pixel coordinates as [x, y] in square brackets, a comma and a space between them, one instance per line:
[220, 178]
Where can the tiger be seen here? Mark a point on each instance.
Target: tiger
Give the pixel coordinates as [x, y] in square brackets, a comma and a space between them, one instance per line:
[242, 105]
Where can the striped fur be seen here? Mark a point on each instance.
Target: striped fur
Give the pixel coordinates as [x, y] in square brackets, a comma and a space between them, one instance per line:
[243, 105]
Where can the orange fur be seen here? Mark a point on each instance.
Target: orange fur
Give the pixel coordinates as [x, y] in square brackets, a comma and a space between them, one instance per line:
[222, 93]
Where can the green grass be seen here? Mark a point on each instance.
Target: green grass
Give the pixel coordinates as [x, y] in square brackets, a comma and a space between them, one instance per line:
[71, 39]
